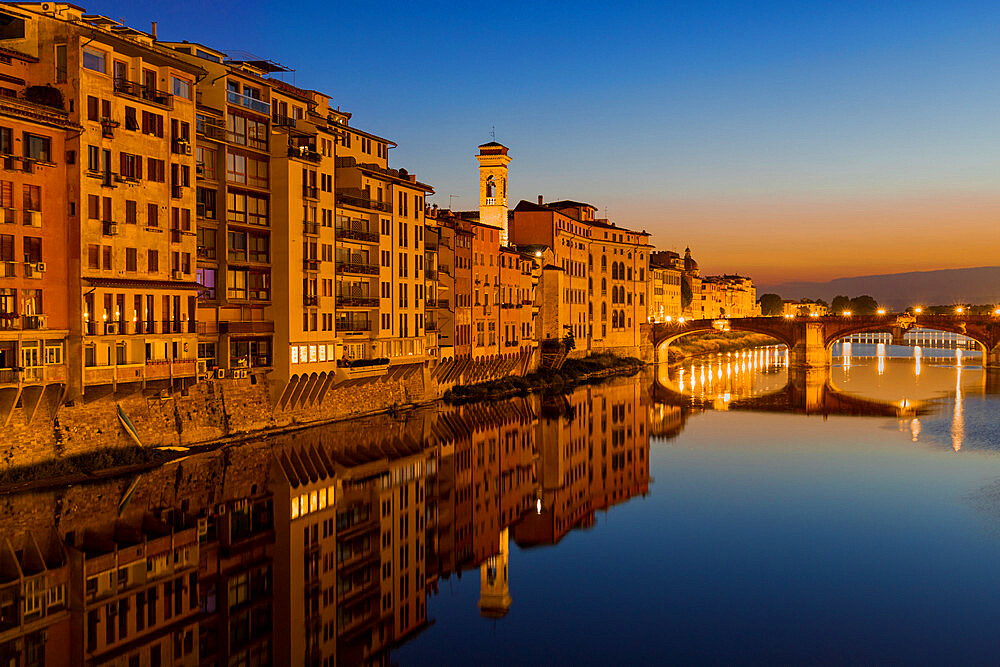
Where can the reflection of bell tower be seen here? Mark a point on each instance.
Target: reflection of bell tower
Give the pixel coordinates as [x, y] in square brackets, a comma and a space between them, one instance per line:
[494, 589]
[493, 161]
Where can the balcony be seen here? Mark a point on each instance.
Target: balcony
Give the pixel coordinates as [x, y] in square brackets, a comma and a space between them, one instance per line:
[310, 300]
[357, 301]
[247, 102]
[310, 192]
[357, 235]
[310, 264]
[364, 202]
[279, 120]
[356, 267]
[176, 191]
[430, 274]
[246, 327]
[310, 228]
[304, 153]
[15, 322]
[147, 94]
[211, 130]
[33, 374]
[350, 325]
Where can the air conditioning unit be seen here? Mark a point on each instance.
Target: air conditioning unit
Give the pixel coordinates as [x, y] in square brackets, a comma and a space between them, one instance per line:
[110, 328]
[110, 228]
[33, 218]
[40, 267]
[177, 275]
[240, 374]
[220, 373]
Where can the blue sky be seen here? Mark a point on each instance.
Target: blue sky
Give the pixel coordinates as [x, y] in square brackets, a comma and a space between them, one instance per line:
[838, 125]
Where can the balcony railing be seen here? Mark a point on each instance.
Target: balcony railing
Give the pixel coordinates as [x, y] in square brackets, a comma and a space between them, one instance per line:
[357, 235]
[354, 267]
[279, 120]
[310, 191]
[252, 103]
[363, 202]
[211, 130]
[430, 274]
[304, 153]
[353, 325]
[14, 322]
[357, 301]
[310, 300]
[310, 264]
[139, 91]
[310, 228]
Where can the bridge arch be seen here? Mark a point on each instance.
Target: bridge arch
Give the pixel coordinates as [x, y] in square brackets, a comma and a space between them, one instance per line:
[665, 334]
[848, 328]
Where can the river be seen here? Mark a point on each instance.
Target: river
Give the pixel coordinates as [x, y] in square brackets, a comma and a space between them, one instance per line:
[726, 510]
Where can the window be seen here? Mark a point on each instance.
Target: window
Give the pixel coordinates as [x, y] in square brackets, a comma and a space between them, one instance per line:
[94, 60]
[93, 158]
[205, 162]
[32, 249]
[156, 170]
[131, 166]
[130, 121]
[152, 124]
[206, 278]
[206, 203]
[237, 284]
[152, 215]
[153, 261]
[247, 209]
[131, 215]
[180, 87]
[131, 259]
[37, 148]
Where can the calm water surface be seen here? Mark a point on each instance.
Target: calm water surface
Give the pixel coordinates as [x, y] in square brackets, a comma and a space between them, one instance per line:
[724, 511]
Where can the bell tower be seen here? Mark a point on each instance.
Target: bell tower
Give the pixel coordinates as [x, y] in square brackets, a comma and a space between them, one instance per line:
[493, 161]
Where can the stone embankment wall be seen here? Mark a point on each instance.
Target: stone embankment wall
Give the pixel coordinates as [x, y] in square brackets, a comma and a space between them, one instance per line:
[208, 411]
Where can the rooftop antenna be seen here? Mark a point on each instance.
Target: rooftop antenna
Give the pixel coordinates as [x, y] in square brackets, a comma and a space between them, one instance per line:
[450, 197]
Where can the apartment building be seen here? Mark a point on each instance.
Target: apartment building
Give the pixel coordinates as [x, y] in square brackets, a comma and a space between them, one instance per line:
[602, 287]
[666, 268]
[385, 257]
[232, 137]
[34, 255]
[129, 196]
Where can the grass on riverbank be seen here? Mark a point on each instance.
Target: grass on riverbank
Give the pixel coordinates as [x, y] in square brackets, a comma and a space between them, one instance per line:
[692, 346]
[573, 373]
[85, 464]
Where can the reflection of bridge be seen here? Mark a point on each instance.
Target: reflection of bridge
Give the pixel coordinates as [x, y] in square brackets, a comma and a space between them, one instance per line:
[809, 338]
[808, 391]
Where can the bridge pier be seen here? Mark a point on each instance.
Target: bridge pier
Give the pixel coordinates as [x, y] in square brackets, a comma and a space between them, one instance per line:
[809, 349]
[991, 359]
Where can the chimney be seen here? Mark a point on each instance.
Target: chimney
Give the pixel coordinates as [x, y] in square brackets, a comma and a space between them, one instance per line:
[154, 31]
[540, 200]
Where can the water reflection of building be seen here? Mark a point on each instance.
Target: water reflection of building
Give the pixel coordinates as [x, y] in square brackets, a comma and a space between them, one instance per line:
[318, 548]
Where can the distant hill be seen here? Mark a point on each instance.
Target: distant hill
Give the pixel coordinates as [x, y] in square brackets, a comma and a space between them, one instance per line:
[980, 285]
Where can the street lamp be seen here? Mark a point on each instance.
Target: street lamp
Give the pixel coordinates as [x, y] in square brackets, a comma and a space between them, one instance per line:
[846, 313]
[918, 310]
[881, 311]
[960, 310]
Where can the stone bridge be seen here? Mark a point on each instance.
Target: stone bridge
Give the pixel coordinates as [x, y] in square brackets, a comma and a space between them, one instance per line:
[809, 339]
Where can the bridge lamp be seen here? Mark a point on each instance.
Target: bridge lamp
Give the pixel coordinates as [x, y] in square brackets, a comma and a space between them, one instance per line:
[997, 311]
[960, 310]
[669, 319]
[918, 310]
[846, 313]
[881, 311]
[681, 320]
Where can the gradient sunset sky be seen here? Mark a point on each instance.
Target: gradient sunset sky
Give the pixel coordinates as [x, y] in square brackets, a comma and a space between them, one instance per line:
[785, 140]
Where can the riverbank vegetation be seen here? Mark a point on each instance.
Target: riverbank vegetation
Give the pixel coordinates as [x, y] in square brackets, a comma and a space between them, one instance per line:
[573, 373]
[694, 345]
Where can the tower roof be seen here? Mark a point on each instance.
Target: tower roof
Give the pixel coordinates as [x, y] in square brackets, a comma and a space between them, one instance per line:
[492, 148]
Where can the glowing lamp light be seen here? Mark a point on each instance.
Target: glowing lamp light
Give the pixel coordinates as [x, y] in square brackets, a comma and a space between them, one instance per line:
[918, 310]
[669, 318]
[960, 310]
[538, 253]
[681, 320]
[881, 311]
[846, 313]
[997, 311]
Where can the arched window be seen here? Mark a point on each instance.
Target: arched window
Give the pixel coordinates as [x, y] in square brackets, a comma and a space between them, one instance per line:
[614, 270]
[604, 285]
